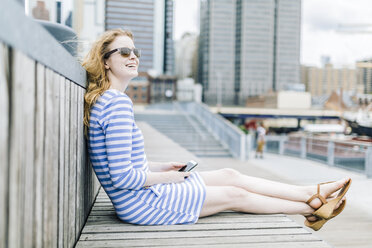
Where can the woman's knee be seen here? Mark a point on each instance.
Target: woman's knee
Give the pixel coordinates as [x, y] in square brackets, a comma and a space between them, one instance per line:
[230, 173]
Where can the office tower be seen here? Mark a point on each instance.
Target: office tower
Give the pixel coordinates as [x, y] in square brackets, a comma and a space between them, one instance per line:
[287, 43]
[323, 81]
[169, 51]
[257, 49]
[186, 55]
[151, 23]
[217, 51]
[364, 72]
[248, 48]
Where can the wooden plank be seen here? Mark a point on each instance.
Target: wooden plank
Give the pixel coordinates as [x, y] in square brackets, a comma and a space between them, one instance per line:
[127, 230]
[191, 230]
[225, 238]
[55, 152]
[67, 162]
[72, 169]
[61, 162]
[23, 70]
[39, 155]
[120, 243]
[4, 144]
[51, 162]
[28, 70]
[79, 175]
[209, 220]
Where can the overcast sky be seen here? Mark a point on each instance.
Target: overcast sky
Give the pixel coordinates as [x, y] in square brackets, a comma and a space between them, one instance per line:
[324, 23]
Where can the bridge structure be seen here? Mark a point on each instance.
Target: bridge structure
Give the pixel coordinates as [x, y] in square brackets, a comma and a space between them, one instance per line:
[242, 113]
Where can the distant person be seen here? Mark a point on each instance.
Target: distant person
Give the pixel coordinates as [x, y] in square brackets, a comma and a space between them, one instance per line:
[40, 11]
[153, 193]
[261, 132]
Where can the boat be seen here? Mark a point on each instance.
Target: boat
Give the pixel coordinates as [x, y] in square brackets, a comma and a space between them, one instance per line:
[360, 122]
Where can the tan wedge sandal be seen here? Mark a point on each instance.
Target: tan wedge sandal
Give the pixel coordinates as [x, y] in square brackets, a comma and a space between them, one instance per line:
[327, 210]
[317, 224]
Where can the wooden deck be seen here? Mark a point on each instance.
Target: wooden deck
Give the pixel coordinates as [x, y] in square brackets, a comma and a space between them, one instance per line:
[104, 229]
[228, 229]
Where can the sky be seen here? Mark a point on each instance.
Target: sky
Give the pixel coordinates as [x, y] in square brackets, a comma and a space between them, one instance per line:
[325, 29]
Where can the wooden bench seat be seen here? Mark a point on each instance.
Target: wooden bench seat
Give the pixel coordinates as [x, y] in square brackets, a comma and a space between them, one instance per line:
[104, 229]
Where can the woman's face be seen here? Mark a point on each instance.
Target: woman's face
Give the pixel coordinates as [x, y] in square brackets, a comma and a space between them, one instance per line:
[123, 68]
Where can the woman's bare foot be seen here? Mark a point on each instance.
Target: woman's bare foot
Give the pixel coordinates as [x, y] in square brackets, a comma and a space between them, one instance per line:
[326, 190]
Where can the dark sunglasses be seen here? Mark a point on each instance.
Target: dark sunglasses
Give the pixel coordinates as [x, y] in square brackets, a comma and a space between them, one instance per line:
[124, 51]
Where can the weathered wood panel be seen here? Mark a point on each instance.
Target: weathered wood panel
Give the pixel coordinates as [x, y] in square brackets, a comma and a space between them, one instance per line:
[72, 172]
[121, 243]
[28, 72]
[21, 141]
[4, 134]
[51, 161]
[79, 148]
[66, 203]
[39, 156]
[47, 186]
[61, 161]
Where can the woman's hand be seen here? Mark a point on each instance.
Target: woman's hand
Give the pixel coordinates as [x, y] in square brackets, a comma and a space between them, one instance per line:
[167, 166]
[172, 166]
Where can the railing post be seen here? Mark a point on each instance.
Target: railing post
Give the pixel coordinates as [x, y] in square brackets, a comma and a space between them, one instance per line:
[248, 147]
[331, 153]
[368, 162]
[303, 147]
[281, 144]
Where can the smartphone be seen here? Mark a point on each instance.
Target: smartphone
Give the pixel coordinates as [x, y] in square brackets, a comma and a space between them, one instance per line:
[189, 166]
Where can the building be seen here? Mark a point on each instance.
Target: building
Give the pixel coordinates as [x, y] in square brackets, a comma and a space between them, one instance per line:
[248, 48]
[186, 56]
[217, 51]
[324, 81]
[151, 23]
[162, 88]
[139, 91]
[364, 75]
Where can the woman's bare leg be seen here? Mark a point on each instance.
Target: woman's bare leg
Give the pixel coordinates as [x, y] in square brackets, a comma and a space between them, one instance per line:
[221, 198]
[231, 177]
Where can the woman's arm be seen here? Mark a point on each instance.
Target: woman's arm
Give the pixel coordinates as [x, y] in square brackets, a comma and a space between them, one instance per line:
[165, 166]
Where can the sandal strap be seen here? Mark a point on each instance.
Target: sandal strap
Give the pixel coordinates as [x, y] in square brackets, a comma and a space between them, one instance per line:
[318, 195]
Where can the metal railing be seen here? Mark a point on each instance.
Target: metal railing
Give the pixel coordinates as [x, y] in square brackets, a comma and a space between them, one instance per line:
[229, 135]
[353, 156]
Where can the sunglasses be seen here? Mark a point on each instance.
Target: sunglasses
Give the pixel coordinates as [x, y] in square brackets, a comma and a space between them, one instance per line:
[124, 51]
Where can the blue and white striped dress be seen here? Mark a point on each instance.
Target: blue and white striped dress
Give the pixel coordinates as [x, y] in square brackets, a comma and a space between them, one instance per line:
[116, 149]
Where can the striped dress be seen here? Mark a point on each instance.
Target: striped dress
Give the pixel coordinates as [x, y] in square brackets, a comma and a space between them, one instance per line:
[116, 149]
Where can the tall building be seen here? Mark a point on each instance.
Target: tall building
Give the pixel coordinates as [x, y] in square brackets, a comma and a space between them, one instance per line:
[151, 23]
[186, 52]
[323, 81]
[217, 50]
[248, 48]
[364, 72]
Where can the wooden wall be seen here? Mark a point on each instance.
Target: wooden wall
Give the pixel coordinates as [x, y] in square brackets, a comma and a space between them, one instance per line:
[47, 186]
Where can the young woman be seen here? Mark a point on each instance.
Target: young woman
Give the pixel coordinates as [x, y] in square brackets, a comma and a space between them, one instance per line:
[149, 193]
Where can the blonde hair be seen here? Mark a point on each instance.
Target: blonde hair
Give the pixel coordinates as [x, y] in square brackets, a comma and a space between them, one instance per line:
[94, 64]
